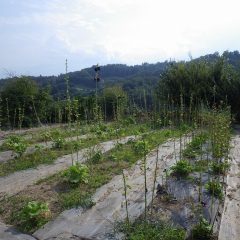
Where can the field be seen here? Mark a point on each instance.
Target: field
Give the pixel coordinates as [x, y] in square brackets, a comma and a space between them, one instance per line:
[129, 178]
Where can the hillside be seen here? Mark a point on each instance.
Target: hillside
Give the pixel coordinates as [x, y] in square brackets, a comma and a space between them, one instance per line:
[131, 78]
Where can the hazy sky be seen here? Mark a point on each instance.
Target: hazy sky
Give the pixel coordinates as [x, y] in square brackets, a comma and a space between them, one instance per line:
[36, 36]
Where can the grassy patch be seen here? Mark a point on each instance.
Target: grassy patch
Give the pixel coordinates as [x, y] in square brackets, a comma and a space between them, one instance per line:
[140, 230]
[48, 156]
[194, 148]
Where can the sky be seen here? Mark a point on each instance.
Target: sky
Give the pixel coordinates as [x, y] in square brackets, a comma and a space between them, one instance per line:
[36, 36]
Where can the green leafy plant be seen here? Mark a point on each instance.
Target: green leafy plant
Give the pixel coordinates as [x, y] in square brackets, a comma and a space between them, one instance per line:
[215, 188]
[181, 169]
[97, 157]
[17, 144]
[113, 157]
[194, 147]
[141, 147]
[219, 168]
[78, 173]
[58, 142]
[202, 231]
[33, 215]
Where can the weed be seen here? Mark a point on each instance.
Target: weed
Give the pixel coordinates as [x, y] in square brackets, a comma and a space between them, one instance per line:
[97, 157]
[151, 231]
[202, 231]
[215, 189]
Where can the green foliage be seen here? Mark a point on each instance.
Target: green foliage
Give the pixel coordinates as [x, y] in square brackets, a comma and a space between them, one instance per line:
[202, 231]
[141, 147]
[45, 156]
[97, 157]
[220, 120]
[33, 215]
[181, 169]
[215, 189]
[17, 144]
[78, 173]
[129, 121]
[75, 198]
[193, 149]
[58, 142]
[219, 168]
[152, 231]
[23, 96]
[210, 81]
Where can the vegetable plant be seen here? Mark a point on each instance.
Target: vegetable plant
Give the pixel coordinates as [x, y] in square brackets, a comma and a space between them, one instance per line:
[33, 215]
[78, 173]
[17, 144]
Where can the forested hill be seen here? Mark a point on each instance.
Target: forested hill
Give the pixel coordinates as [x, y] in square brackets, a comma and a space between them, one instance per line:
[131, 78]
[82, 82]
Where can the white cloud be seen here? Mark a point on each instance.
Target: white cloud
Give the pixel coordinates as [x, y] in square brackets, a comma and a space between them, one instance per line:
[130, 31]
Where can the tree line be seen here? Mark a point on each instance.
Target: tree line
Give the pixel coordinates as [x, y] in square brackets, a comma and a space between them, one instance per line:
[212, 80]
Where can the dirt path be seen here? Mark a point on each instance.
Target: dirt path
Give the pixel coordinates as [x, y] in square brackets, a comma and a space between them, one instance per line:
[17, 181]
[7, 155]
[110, 206]
[230, 223]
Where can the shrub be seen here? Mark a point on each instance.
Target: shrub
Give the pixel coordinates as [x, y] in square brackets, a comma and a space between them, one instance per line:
[77, 173]
[182, 168]
[215, 189]
[33, 215]
[202, 231]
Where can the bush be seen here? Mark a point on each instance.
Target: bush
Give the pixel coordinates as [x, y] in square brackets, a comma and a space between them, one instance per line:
[215, 189]
[202, 231]
[77, 173]
[182, 168]
[33, 215]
